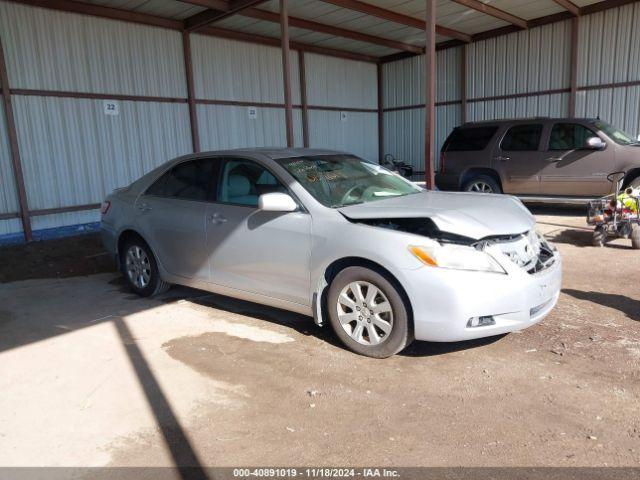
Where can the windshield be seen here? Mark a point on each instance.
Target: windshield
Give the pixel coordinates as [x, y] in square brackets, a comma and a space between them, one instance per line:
[618, 136]
[340, 180]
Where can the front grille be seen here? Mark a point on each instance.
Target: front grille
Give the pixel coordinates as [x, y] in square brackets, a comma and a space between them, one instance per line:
[530, 251]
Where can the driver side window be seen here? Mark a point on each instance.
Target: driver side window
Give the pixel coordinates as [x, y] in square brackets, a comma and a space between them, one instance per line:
[569, 136]
[243, 181]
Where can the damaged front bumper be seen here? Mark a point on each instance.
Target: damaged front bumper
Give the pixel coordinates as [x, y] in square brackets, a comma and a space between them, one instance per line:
[445, 301]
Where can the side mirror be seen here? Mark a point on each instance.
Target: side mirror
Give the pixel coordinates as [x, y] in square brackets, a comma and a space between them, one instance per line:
[595, 143]
[277, 202]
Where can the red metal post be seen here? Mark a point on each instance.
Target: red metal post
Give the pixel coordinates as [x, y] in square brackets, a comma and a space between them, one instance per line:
[430, 93]
[463, 84]
[380, 114]
[303, 99]
[573, 94]
[193, 115]
[286, 69]
[15, 151]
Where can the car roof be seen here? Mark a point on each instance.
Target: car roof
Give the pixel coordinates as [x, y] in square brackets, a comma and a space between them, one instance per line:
[503, 121]
[273, 153]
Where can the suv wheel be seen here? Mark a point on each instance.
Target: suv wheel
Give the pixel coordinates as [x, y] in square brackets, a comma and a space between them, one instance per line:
[368, 314]
[138, 264]
[482, 184]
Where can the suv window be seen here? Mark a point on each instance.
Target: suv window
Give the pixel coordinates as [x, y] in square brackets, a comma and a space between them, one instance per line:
[569, 136]
[243, 181]
[469, 139]
[192, 180]
[522, 138]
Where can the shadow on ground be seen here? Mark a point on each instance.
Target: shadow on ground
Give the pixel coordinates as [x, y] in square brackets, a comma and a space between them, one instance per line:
[626, 305]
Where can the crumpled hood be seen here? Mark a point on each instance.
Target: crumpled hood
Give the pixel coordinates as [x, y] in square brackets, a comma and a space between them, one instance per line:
[473, 215]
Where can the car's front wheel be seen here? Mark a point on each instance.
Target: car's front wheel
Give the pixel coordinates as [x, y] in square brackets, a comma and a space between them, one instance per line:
[140, 269]
[368, 314]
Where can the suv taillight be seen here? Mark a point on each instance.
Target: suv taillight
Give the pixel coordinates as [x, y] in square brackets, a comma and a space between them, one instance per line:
[104, 208]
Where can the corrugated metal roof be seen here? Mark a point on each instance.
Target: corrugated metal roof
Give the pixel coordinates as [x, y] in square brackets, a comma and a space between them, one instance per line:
[449, 14]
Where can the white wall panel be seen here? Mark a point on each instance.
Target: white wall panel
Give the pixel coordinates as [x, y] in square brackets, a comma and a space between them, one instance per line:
[618, 106]
[225, 127]
[357, 135]
[13, 225]
[555, 105]
[337, 82]
[74, 154]
[50, 50]
[404, 133]
[404, 80]
[610, 46]
[240, 71]
[527, 61]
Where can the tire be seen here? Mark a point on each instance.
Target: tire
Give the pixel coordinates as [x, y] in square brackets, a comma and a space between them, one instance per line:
[482, 184]
[635, 237]
[599, 236]
[374, 341]
[137, 258]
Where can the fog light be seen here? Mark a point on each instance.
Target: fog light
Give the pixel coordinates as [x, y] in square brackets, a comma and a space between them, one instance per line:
[481, 321]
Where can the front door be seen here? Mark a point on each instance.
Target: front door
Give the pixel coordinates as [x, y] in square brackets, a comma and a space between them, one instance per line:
[518, 159]
[172, 215]
[267, 253]
[571, 168]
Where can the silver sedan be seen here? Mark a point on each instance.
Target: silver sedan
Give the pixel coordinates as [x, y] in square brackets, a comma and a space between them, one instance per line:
[335, 237]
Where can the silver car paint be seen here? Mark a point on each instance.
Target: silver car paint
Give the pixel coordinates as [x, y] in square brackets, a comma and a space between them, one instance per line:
[281, 259]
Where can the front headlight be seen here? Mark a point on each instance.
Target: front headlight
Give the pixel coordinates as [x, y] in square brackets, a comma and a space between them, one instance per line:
[456, 257]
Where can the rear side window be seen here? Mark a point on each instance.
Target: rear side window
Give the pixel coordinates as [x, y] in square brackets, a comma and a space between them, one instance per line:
[522, 138]
[469, 139]
[191, 180]
[569, 136]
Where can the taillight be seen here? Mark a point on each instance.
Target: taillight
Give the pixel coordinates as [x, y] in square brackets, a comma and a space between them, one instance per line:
[441, 162]
[104, 208]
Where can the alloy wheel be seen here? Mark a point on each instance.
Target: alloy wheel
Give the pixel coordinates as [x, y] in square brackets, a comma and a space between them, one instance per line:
[365, 313]
[138, 267]
[480, 187]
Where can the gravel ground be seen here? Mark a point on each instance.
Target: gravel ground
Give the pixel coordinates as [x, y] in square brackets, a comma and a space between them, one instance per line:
[92, 375]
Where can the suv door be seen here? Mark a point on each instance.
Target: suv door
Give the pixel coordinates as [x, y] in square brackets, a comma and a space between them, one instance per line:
[571, 168]
[518, 159]
[171, 217]
[266, 253]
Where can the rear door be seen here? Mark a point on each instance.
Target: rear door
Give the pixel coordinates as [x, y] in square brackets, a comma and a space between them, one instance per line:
[518, 159]
[171, 216]
[570, 167]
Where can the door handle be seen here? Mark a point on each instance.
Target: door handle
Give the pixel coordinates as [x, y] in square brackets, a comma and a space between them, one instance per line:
[502, 159]
[144, 207]
[554, 159]
[217, 219]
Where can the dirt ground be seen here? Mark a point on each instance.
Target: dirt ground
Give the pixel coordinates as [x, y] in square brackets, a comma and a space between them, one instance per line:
[92, 375]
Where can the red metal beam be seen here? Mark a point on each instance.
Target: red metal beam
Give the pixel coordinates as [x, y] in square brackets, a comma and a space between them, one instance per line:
[286, 71]
[430, 94]
[188, 68]
[206, 17]
[395, 17]
[331, 30]
[15, 150]
[105, 12]
[493, 11]
[302, 70]
[262, 40]
[463, 84]
[569, 6]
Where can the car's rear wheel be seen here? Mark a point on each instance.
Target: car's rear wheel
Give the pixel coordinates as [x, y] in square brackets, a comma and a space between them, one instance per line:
[482, 184]
[368, 313]
[140, 269]
[599, 236]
